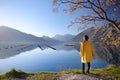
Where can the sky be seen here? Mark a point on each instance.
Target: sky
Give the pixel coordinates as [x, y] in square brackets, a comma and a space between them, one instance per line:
[35, 17]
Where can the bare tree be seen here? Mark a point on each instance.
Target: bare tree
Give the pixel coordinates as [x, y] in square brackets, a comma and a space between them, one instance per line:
[107, 11]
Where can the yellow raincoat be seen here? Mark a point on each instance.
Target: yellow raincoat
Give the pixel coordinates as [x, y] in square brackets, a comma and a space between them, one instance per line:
[86, 51]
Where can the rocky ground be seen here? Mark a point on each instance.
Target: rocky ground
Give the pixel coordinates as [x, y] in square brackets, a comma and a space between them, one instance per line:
[84, 77]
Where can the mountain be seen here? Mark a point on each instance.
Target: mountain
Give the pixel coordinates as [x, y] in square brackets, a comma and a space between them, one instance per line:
[51, 40]
[12, 35]
[14, 42]
[64, 38]
[106, 41]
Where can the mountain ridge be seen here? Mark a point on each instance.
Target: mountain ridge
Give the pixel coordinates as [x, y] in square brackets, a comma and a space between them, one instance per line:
[8, 34]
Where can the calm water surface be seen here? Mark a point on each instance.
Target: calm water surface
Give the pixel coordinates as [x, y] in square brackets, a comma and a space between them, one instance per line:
[46, 60]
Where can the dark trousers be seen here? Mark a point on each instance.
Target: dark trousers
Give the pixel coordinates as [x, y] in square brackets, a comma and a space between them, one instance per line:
[83, 67]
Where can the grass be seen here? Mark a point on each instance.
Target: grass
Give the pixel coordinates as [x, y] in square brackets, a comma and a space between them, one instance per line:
[111, 70]
[14, 74]
[45, 76]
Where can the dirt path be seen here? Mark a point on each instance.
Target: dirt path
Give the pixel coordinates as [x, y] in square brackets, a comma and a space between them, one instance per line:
[84, 77]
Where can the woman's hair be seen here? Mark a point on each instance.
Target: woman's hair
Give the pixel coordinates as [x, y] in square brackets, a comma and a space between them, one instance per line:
[86, 37]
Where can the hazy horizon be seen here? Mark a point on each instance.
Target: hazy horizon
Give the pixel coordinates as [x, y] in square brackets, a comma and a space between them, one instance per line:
[33, 34]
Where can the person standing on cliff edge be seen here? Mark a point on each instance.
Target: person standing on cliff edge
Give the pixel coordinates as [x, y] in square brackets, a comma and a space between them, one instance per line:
[86, 53]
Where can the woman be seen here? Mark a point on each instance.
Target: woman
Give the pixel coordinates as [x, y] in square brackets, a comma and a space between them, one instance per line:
[86, 53]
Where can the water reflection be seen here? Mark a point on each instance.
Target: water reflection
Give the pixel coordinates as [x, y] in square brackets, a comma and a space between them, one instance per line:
[46, 60]
[7, 51]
